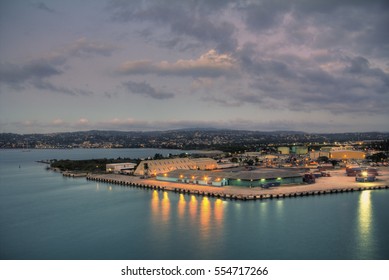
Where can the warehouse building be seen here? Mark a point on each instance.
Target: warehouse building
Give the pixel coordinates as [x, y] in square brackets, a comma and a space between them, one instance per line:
[254, 178]
[347, 155]
[317, 154]
[154, 167]
[283, 150]
[125, 167]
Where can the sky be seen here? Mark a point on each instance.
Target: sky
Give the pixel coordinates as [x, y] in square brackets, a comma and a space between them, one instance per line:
[315, 66]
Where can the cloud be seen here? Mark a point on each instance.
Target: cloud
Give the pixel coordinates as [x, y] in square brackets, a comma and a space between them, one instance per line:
[42, 6]
[17, 75]
[354, 87]
[84, 46]
[193, 20]
[36, 72]
[58, 122]
[82, 122]
[298, 55]
[210, 64]
[145, 89]
[44, 85]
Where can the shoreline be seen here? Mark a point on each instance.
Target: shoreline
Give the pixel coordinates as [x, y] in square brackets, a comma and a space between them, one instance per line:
[337, 183]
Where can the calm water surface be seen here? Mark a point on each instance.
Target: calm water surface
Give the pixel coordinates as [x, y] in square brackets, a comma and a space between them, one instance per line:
[46, 216]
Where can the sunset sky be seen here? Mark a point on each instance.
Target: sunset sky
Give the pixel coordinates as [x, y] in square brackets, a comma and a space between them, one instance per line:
[314, 66]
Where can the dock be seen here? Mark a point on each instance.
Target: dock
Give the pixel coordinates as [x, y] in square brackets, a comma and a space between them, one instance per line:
[324, 187]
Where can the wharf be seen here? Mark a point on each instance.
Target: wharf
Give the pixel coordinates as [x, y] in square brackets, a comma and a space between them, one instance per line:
[338, 183]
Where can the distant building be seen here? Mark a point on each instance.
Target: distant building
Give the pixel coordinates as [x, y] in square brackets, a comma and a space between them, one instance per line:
[347, 155]
[315, 155]
[154, 167]
[125, 167]
[283, 150]
[299, 150]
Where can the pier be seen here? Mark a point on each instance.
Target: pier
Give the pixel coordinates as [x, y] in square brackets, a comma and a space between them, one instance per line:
[322, 187]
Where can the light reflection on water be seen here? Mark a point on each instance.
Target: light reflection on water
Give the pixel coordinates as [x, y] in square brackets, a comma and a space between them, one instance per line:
[279, 208]
[181, 206]
[207, 213]
[193, 207]
[365, 243]
[205, 216]
[165, 207]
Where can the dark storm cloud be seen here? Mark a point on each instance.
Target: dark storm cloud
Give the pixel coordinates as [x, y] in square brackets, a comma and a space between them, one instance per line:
[145, 89]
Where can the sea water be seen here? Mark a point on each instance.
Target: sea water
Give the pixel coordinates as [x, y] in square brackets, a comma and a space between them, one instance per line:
[44, 215]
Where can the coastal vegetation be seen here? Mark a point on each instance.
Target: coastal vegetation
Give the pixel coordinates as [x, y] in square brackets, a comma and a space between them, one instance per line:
[90, 165]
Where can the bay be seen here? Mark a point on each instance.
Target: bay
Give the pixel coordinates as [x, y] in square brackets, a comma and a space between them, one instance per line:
[44, 215]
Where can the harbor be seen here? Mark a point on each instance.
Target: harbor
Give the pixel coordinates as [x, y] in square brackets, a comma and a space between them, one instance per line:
[79, 218]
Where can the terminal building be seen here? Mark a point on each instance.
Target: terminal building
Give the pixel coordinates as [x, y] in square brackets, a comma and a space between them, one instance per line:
[154, 167]
[253, 178]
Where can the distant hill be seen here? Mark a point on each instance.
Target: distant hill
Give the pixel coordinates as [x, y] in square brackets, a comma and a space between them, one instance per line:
[190, 138]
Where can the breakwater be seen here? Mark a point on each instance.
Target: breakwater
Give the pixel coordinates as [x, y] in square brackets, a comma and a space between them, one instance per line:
[233, 193]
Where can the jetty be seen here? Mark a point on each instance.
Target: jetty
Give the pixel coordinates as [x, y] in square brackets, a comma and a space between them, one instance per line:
[74, 174]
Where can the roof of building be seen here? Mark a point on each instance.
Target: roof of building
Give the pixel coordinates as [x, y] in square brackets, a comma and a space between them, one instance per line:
[167, 165]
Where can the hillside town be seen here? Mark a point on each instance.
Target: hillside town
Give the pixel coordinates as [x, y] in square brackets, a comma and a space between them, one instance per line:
[191, 139]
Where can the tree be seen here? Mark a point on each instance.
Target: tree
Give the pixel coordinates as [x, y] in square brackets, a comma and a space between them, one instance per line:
[234, 159]
[158, 156]
[377, 157]
[323, 159]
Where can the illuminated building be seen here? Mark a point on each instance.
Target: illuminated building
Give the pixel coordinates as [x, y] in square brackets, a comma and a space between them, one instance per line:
[254, 178]
[154, 167]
